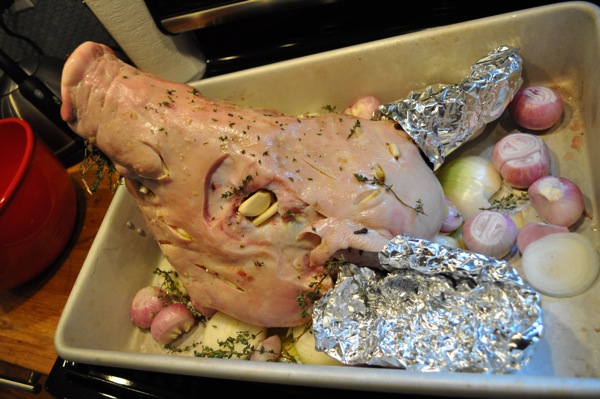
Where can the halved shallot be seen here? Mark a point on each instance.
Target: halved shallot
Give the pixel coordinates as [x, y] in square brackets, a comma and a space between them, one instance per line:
[533, 231]
[536, 107]
[146, 304]
[171, 322]
[521, 159]
[557, 200]
[489, 233]
[561, 264]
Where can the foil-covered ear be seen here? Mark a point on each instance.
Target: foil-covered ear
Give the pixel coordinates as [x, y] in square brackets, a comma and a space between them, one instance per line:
[443, 118]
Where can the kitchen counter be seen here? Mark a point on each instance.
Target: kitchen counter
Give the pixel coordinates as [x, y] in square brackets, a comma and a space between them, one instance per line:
[29, 313]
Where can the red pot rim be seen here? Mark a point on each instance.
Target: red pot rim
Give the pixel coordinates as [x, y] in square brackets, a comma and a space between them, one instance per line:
[25, 160]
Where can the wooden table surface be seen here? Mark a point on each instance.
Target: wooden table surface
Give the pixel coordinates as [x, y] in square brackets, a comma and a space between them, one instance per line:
[29, 313]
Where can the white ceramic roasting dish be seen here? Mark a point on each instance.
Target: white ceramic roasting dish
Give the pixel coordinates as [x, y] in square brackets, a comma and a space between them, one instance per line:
[560, 46]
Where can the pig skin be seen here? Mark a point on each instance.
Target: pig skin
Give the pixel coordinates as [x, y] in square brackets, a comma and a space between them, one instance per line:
[200, 158]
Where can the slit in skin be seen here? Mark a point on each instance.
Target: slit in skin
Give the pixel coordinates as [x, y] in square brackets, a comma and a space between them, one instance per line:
[317, 169]
[165, 169]
[217, 276]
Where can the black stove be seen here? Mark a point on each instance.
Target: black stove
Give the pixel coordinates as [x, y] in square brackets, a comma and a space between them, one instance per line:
[242, 43]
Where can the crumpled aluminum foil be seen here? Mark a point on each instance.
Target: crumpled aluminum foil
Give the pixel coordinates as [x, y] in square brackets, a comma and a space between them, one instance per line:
[443, 118]
[431, 308]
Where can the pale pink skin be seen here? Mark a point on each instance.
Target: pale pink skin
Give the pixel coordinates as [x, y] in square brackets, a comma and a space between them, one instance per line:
[146, 304]
[190, 151]
[536, 107]
[171, 322]
[268, 350]
[521, 159]
[489, 233]
[534, 230]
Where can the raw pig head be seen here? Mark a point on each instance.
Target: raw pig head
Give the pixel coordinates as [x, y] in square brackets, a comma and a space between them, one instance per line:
[340, 185]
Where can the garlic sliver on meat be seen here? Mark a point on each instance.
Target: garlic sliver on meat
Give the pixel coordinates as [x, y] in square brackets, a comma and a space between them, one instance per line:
[394, 150]
[263, 217]
[256, 204]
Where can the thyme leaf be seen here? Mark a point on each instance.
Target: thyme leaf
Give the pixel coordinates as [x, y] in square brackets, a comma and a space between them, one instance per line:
[417, 208]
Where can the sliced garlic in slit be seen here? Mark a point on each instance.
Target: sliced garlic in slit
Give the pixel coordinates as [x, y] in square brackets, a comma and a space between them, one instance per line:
[263, 217]
[394, 150]
[256, 204]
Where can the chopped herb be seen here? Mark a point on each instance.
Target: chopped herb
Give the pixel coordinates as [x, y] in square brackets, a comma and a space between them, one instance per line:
[354, 128]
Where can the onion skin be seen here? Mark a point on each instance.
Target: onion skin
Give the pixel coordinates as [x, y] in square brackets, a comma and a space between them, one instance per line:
[171, 322]
[521, 159]
[489, 233]
[146, 304]
[536, 107]
[557, 200]
[534, 231]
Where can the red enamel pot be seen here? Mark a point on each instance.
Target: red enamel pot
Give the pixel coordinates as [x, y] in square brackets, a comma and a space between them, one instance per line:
[38, 204]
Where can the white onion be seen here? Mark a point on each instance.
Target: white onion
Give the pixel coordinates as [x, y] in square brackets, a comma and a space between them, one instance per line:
[536, 107]
[171, 322]
[447, 240]
[489, 233]
[146, 304]
[561, 265]
[557, 200]
[533, 231]
[469, 182]
[521, 159]
[221, 327]
[305, 346]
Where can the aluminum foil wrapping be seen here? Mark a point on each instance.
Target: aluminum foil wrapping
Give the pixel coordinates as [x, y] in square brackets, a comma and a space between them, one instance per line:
[431, 308]
[442, 118]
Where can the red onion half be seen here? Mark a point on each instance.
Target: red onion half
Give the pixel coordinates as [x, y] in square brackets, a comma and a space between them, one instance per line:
[521, 159]
[490, 233]
[536, 107]
[534, 231]
[171, 322]
[556, 200]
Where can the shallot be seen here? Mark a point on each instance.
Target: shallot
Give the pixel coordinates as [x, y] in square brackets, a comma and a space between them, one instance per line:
[521, 159]
[489, 233]
[557, 200]
[171, 322]
[146, 304]
[268, 350]
[533, 231]
[363, 107]
[561, 264]
[453, 219]
[536, 107]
